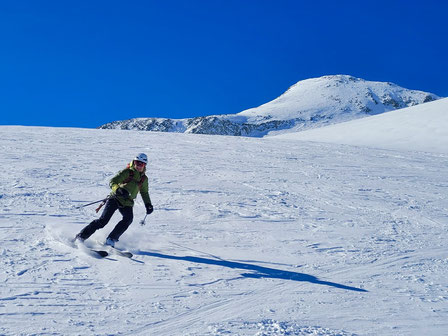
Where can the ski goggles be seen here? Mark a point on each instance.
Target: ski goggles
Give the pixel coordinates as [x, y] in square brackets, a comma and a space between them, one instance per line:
[139, 163]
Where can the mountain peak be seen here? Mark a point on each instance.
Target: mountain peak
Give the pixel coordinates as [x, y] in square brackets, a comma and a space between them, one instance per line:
[309, 103]
[340, 78]
[331, 80]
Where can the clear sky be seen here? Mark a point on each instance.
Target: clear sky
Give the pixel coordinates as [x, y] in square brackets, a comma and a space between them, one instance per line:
[86, 62]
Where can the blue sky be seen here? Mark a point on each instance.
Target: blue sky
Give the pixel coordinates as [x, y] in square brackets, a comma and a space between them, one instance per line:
[84, 63]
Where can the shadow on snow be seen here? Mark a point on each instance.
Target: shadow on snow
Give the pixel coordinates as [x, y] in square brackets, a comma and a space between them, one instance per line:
[259, 271]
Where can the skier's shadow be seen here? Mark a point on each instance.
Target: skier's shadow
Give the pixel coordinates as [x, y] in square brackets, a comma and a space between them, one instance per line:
[258, 272]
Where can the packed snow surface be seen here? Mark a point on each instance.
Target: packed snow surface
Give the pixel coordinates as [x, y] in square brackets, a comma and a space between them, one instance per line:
[423, 127]
[248, 237]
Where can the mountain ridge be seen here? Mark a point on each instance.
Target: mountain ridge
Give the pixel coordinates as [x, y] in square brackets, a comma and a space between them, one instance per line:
[309, 103]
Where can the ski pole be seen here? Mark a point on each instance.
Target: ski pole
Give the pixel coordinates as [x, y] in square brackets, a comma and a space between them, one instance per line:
[82, 206]
[142, 222]
[101, 205]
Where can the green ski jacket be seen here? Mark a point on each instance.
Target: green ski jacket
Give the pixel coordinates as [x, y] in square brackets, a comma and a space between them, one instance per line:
[134, 182]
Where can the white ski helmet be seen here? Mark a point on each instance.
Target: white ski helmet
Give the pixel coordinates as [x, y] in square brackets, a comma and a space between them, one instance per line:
[142, 158]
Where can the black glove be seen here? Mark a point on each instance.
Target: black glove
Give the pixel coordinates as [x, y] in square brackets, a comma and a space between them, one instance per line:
[149, 209]
[122, 192]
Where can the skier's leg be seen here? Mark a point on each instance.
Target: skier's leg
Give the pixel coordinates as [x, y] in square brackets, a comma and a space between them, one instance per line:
[122, 225]
[109, 209]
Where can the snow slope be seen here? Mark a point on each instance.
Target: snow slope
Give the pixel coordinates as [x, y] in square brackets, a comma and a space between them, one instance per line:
[421, 128]
[249, 237]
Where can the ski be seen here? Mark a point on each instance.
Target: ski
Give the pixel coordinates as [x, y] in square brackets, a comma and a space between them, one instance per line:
[105, 250]
[114, 250]
[101, 253]
[90, 251]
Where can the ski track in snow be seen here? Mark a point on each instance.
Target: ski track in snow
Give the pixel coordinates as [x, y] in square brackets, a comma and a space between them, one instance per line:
[248, 237]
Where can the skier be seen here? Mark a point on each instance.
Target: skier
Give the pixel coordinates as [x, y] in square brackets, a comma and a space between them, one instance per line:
[125, 187]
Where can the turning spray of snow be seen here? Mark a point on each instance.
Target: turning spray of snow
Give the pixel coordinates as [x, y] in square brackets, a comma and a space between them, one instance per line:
[249, 237]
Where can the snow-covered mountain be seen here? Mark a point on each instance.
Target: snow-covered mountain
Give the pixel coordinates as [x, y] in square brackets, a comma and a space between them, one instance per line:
[308, 104]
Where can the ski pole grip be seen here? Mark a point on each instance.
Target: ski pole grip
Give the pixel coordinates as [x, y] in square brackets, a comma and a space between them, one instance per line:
[101, 205]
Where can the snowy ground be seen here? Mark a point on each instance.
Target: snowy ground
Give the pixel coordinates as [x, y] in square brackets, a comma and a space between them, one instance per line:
[249, 237]
[421, 128]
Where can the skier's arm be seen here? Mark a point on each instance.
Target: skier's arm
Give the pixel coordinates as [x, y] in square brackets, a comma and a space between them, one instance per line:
[118, 179]
[144, 191]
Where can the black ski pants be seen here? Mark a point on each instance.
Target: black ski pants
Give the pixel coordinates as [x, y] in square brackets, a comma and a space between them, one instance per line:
[111, 206]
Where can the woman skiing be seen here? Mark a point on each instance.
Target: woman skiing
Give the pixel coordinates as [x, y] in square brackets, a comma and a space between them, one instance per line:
[125, 187]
